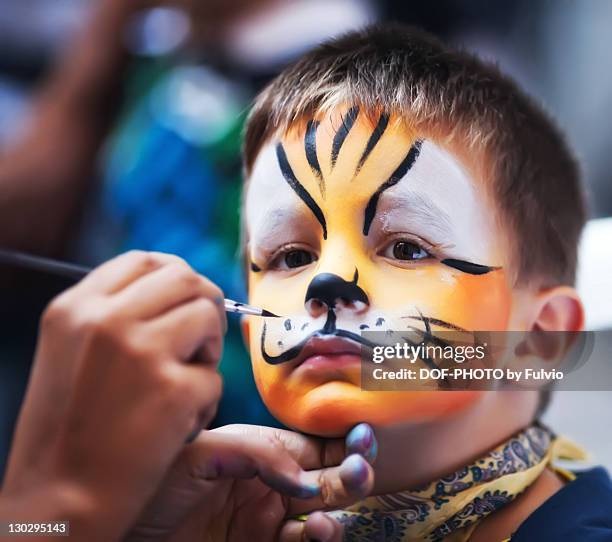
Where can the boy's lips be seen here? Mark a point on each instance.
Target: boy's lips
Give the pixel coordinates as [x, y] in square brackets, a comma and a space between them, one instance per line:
[322, 351]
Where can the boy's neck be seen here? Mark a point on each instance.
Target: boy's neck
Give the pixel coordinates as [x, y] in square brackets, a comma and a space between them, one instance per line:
[411, 456]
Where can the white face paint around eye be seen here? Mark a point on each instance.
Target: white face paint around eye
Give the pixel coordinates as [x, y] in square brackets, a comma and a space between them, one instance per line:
[273, 214]
[439, 201]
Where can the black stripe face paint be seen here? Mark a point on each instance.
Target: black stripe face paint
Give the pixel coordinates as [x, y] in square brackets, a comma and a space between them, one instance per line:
[310, 146]
[328, 329]
[298, 188]
[377, 133]
[287, 355]
[429, 321]
[395, 177]
[469, 267]
[347, 123]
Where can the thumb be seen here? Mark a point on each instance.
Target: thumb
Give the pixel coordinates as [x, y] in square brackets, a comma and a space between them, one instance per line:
[317, 527]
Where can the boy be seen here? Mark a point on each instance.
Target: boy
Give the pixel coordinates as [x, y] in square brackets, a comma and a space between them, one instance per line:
[393, 182]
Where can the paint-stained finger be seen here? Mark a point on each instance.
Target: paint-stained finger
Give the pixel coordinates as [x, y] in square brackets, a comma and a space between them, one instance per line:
[339, 486]
[217, 455]
[362, 440]
[312, 452]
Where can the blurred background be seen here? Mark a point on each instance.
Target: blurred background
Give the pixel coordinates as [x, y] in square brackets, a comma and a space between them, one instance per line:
[124, 117]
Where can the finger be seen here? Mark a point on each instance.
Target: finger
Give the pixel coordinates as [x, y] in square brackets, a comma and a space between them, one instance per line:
[206, 398]
[114, 275]
[249, 451]
[200, 390]
[165, 288]
[311, 452]
[216, 455]
[339, 486]
[317, 526]
[307, 451]
[292, 531]
[361, 440]
[192, 328]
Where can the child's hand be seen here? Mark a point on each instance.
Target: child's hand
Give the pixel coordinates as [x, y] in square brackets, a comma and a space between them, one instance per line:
[125, 370]
[242, 482]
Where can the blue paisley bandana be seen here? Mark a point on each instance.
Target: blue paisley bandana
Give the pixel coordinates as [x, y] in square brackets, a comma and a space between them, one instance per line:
[449, 508]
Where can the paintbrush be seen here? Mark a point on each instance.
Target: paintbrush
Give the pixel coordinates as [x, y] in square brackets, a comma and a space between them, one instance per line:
[77, 272]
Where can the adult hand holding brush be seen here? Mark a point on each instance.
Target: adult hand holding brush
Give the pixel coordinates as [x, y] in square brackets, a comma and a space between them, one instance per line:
[125, 370]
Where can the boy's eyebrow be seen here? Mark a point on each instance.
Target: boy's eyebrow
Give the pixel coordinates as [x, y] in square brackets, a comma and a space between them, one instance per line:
[419, 207]
[275, 222]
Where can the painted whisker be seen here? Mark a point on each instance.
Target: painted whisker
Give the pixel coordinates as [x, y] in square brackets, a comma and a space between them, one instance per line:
[295, 351]
[434, 321]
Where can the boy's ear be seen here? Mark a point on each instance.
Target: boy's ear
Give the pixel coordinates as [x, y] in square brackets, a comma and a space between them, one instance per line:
[559, 310]
[246, 330]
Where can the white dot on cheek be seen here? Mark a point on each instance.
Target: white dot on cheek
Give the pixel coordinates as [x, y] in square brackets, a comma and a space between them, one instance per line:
[360, 306]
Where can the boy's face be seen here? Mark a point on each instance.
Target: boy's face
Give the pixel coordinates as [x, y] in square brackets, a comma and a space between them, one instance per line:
[356, 226]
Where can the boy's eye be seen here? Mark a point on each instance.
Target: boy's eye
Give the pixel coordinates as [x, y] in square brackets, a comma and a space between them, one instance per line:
[298, 258]
[405, 250]
[292, 259]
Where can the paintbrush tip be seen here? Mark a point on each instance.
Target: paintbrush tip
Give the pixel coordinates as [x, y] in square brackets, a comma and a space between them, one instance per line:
[269, 314]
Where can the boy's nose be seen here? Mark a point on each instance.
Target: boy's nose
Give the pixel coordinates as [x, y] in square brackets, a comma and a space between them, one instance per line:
[328, 291]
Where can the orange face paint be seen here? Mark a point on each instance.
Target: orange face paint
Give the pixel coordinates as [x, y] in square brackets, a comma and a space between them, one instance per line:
[357, 225]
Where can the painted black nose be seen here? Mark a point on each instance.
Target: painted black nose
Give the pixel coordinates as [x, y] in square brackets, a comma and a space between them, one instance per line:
[329, 289]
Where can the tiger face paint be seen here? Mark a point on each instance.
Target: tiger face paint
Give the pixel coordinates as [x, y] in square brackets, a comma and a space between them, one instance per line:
[356, 225]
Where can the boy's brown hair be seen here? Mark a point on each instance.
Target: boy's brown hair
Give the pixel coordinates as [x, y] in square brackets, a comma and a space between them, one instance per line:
[398, 69]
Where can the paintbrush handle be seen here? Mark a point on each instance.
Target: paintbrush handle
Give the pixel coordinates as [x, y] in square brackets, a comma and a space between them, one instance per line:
[47, 265]
[77, 272]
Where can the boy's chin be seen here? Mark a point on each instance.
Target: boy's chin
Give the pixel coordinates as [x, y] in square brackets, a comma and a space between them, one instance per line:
[334, 408]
